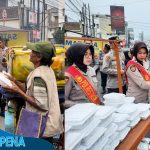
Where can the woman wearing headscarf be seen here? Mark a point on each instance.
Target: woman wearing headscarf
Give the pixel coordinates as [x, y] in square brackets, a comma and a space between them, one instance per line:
[137, 74]
[81, 82]
[128, 55]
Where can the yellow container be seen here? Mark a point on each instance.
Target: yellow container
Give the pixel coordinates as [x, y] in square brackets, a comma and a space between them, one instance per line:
[59, 67]
[20, 66]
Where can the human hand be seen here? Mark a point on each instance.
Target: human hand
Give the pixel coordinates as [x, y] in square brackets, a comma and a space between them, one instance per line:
[11, 51]
[122, 72]
[9, 76]
[13, 88]
[4, 64]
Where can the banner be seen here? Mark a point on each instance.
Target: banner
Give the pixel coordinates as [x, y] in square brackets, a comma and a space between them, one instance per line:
[32, 18]
[12, 12]
[117, 19]
[15, 38]
[97, 43]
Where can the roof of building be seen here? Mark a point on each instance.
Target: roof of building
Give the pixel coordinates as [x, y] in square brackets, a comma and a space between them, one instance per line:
[4, 28]
[73, 26]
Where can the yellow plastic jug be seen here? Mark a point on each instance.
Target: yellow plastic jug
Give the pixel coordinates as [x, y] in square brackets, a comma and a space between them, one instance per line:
[20, 65]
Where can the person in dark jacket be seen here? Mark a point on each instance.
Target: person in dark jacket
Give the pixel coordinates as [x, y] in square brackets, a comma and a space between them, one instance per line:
[128, 55]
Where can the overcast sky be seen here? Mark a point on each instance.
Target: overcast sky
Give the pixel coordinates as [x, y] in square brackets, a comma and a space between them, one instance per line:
[136, 12]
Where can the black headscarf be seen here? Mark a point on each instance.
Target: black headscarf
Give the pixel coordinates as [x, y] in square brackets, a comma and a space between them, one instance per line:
[75, 54]
[127, 58]
[137, 47]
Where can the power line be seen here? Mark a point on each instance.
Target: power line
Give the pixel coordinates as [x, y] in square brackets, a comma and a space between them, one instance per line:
[121, 4]
[77, 2]
[13, 2]
[72, 19]
[72, 9]
[74, 5]
[59, 2]
[56, 1]
[49, 4]
[80, 1]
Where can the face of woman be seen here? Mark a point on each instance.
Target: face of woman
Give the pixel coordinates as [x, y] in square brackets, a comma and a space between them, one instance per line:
[141, 55]
[34, 57]
[87, 60]
[130, 55]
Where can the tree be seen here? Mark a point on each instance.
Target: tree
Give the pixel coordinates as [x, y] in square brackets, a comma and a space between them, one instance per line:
[59, 36]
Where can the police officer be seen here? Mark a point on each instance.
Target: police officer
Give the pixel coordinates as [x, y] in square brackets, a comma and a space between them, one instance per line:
[138, 87]
[110, 68]
[106, 49]
[80, 56]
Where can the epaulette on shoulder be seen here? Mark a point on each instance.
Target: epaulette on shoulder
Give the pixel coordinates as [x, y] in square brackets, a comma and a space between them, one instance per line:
[107, 57]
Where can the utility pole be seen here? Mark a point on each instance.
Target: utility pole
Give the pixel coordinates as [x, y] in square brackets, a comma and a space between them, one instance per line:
[44, 17]
[34, 5]
[86, 21]
[81, 22]
[38, 14]
[93, 25]
[83, 15]
[42, 24]
[22, 13]
[30, 4]
[90, 32]
[126, 33]
[142, 36]
[43, 21]
[21, 8]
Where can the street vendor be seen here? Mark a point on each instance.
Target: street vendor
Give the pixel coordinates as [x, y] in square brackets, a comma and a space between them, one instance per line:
[81, 82]
[41, 93]
[137, 74]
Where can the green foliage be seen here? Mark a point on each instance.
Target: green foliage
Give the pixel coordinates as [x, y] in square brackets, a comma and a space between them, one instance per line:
[59, 36]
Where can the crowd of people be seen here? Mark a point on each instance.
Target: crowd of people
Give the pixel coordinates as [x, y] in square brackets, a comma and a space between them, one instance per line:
[39, 93]
[134, 69]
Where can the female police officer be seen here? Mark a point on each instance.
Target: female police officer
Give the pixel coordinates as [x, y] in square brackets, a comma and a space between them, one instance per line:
[137, 74]
[81, 82]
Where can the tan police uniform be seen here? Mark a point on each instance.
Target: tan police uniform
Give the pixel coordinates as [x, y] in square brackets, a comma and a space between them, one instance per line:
[137, 86]
[110, 68]
[73, 92]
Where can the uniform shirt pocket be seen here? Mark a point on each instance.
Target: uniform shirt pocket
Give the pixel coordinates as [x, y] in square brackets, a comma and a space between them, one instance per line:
[114, 64]
[95, 81]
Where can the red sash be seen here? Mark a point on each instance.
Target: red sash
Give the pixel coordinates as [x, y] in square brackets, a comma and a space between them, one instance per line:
[84, 84]
[143, 72]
